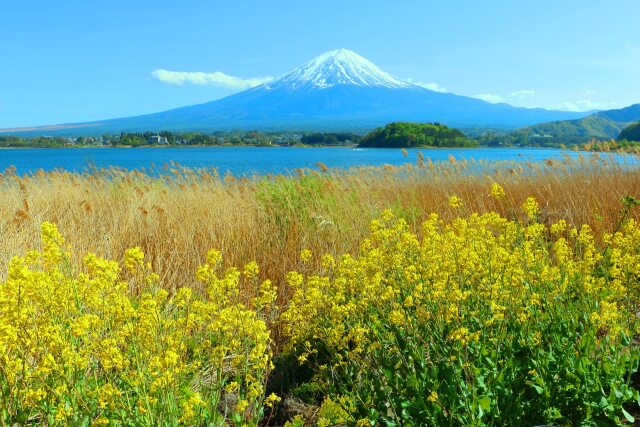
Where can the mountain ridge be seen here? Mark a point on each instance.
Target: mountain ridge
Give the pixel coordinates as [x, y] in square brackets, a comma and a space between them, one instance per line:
[338, 90]
[601, 125]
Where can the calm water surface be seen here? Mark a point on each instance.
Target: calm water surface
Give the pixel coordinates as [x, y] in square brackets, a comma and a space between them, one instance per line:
[250, 160]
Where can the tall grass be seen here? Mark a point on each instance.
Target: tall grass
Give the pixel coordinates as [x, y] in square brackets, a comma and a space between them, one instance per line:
[176, 214]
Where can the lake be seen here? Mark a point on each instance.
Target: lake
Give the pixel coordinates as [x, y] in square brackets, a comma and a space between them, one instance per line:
[251, 160]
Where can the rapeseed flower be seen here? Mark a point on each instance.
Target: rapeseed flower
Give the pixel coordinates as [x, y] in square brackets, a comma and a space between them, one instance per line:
[482, 282]
[455, 202]
[497, 192]
[73, 343]
[531, 208]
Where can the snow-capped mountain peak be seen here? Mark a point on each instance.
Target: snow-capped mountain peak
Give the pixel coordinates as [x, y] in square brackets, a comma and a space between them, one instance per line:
[338, 67]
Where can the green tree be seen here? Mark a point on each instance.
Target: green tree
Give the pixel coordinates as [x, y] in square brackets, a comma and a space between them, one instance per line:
[408, 135]
[630, 133]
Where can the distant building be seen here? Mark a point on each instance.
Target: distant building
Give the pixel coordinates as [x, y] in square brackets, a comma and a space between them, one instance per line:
[157, 139]
[288, 139]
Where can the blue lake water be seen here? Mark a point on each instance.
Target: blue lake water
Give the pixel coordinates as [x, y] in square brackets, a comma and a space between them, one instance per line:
[251, 160]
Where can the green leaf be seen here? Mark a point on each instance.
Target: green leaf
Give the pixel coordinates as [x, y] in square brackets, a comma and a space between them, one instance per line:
[539, 389]
[484, 405]
[603, 403]
[413, 382]
[485, 402]
[628, 416]
[617, 393]
[480, 382]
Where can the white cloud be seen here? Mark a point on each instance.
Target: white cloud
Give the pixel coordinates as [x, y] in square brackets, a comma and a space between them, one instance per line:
[490, 97]
[523, 94]
[431, 86]
[586, 105]
[216, 78]
[519, 97]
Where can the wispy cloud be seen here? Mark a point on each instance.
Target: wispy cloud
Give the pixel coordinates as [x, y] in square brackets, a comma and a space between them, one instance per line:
[216, 78]
[523, 98]
[431, 86]
[490, 97]
[494, 98]
[586, 105]
[523, 94]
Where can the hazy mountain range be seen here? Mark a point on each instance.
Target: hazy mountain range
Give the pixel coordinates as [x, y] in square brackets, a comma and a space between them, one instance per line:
[602, 125]
[338, 90]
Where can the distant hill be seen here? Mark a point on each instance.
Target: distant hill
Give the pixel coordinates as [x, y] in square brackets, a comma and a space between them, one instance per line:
[409, 135]
[336, 91]
[602, 125]
[631, 133]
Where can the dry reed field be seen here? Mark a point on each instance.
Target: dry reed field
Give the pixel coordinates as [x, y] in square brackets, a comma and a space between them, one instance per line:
[177, 217]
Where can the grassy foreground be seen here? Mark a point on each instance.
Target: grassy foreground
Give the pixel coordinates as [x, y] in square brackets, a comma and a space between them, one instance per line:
[508, 298]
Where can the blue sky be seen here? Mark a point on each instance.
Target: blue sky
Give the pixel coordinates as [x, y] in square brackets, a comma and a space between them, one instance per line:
[77, 60]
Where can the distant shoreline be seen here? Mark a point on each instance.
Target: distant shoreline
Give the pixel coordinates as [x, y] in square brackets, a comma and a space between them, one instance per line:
[195, 146]
[263, 146]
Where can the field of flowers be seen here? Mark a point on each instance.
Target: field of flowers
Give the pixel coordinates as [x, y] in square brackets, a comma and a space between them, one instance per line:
[491, 308]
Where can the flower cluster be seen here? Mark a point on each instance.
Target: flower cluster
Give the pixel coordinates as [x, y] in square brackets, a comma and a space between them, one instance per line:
[106, 345]
[444, 328]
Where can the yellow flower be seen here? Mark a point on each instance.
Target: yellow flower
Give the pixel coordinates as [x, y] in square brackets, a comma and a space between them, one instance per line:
[33, 397]
[271, 400]
[53, 244]
[558, 227]
[251, 270]
[433, 397]
[305, 255]
[133, 259]
[241, 406]
[397, 318]
[63, 412]
[497, 192]
[327, 261]
[85, 324]
[107, 395]
[455, 202]
[191, 407]
[531, 208]
[214, 256]
[141, 407]
[183, 297]
[100, 421]
[232, 387]
[461, 335]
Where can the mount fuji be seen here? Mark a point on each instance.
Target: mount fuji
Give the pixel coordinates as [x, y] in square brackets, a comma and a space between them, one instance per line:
[338, 90]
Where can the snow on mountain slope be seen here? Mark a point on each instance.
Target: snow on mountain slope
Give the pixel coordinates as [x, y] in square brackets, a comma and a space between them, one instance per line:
[338, 67]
